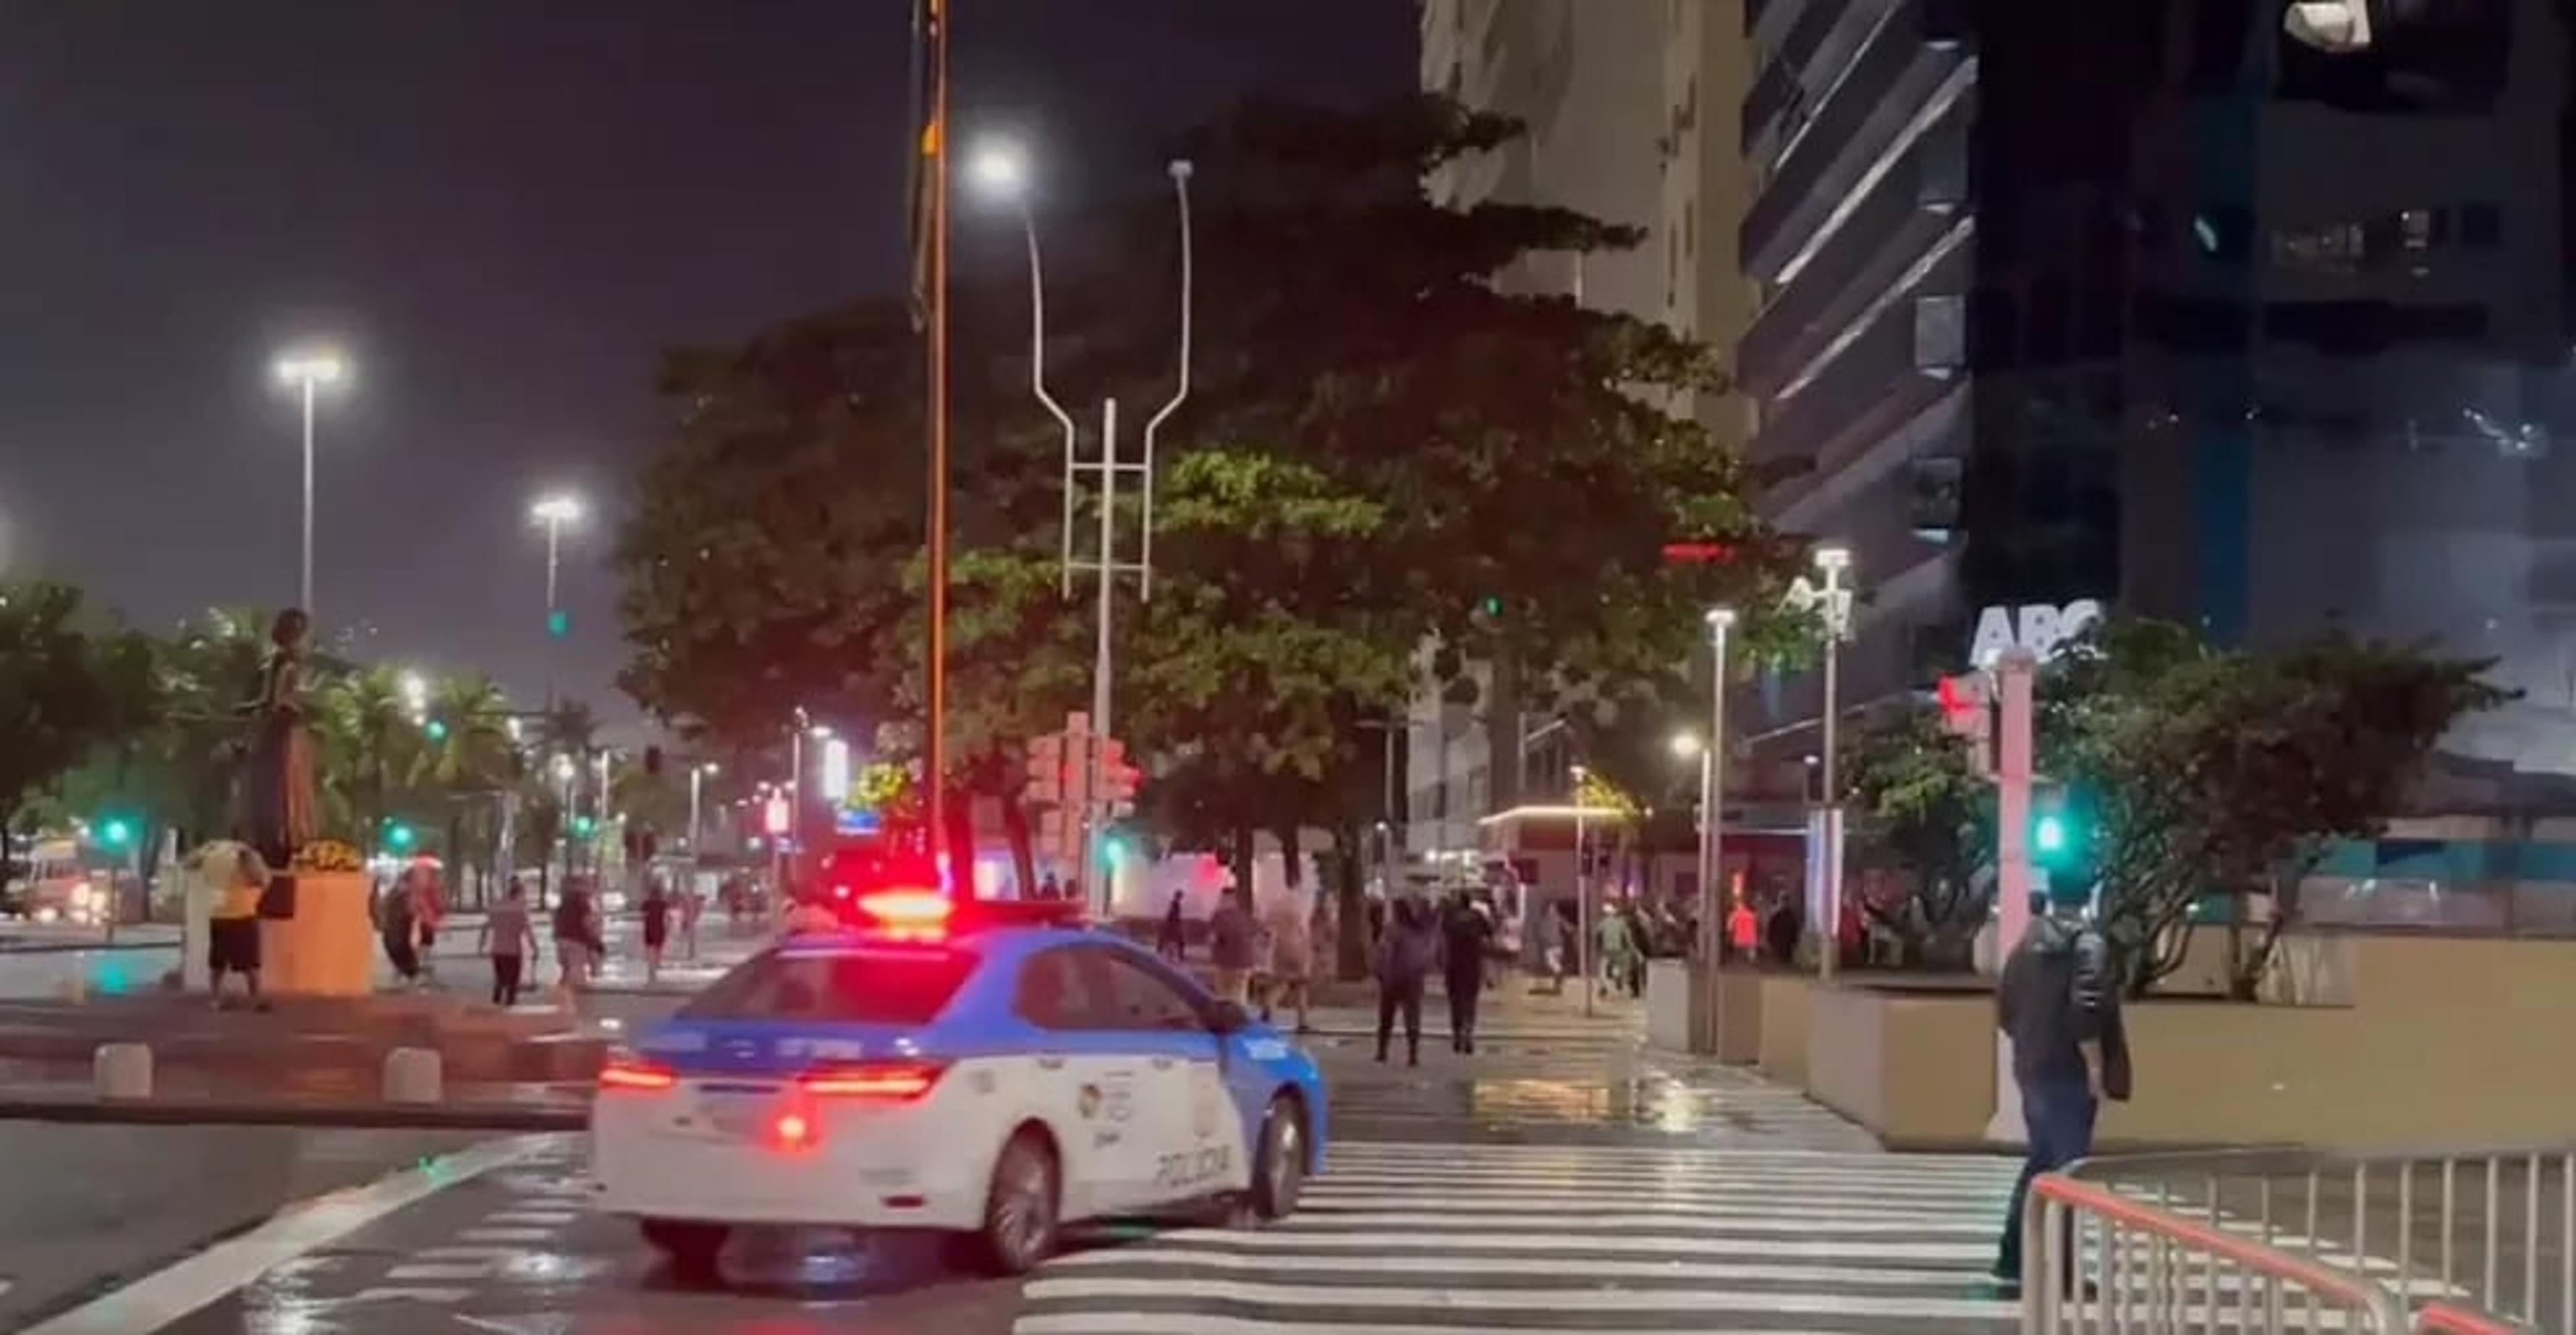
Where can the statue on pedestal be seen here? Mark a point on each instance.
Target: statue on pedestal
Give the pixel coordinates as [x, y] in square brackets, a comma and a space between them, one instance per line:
[277, 798]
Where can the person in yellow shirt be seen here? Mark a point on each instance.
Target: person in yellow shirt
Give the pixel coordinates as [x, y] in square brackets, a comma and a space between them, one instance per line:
[232, 927]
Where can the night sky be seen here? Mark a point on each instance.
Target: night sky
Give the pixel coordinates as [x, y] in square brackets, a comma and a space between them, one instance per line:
[501, 210]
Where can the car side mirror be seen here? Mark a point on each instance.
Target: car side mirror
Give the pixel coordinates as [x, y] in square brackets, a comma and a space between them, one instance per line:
[1228, 1017]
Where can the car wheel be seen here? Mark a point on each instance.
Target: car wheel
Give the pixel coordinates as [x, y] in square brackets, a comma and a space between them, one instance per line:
[1279, 1166]
[1020, 1207]
[692, 1249]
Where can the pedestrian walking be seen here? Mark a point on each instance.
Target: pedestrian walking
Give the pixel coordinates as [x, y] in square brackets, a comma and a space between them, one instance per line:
[428, 910]
[509, 937]
[656, 912]
[577, 939]
[1292, 958]
[693, 906]
[2059, 1002]
[1616, 943]
[1171, 944]
[1231, 946]
[1465, 936]
[1406, 951]
[1743, 930]
[398, 925]
[1547, 941]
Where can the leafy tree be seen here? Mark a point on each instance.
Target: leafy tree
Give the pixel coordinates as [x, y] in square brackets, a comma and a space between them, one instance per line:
[1381, 448]
[59, 694]
[2229, 772]
[1922, 812]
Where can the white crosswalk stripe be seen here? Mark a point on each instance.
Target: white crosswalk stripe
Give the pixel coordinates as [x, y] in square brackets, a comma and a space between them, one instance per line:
[1432, 1239]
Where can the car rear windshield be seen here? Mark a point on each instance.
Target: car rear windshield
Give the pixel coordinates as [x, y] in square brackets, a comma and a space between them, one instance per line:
[858, 987]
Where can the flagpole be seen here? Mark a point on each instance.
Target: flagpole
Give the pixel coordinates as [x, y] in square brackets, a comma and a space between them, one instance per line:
[935, 145]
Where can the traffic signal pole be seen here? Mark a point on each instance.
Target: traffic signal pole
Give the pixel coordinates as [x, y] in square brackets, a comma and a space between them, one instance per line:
[2014, 675]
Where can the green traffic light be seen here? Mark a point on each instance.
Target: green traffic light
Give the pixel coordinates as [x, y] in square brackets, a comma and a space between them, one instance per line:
[2050, 836]
[117, 832]
[436, 728]
[582, 825]
[558, 623]
[398, 835]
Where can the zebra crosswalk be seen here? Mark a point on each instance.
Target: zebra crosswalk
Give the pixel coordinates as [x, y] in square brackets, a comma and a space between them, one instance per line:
[1430, 1239]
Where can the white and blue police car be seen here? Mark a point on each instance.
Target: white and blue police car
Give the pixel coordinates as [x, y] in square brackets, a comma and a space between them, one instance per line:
[970, 1068]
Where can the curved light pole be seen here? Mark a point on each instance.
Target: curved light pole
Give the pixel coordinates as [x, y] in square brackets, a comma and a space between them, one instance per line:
[1001, 173]
[308, 372]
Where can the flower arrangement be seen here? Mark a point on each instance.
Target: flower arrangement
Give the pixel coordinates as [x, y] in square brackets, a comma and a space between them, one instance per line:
[327, 855]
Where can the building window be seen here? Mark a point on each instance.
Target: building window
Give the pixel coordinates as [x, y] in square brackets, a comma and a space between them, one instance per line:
[2481, 226]
[2335, 248]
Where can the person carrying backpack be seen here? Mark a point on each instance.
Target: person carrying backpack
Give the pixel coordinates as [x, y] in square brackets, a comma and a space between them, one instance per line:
[2059, 1002]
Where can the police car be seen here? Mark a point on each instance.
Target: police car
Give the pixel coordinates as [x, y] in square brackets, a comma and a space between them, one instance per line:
[962, 1067]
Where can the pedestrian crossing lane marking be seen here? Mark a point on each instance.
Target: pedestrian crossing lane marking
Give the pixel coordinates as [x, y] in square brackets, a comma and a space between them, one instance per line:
[1421, 1239]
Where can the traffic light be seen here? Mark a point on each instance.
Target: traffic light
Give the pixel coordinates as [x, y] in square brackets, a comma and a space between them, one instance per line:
[2061, 831]
[436, 729]
[1117, 777]
[1113, 850]
[398, 837]
[1966, 711]
[1046, 769]
[116, 832]
[582, 825]
[558, 623]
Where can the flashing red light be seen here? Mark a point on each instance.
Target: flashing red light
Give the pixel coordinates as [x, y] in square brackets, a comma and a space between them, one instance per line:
[628, 1072]
[890, 1081]
[908, 908]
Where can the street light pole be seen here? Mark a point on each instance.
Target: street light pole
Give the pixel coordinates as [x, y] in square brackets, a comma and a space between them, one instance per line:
[1712, 847]
[1836, 603]
[554, 512]
[308, 372]
[1583, 950]
[304, 587]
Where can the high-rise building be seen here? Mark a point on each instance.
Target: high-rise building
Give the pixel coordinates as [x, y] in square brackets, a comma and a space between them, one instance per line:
[2160, 306]
[1631, 108]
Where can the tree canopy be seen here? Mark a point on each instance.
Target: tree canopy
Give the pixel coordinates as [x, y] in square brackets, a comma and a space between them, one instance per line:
[1383, 448]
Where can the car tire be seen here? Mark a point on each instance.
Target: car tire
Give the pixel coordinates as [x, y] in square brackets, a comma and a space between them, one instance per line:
[1279, 1163]
[1020, 1223]
[693, 1250]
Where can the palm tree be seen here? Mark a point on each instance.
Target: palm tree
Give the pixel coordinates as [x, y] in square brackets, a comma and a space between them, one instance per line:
[468, 760]
[369, 747]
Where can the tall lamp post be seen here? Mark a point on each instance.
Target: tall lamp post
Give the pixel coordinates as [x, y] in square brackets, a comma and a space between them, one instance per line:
[1831, 601]
[697, 778]
[1001, 171]
[552, 513]
[308, 372]
[1712, 800]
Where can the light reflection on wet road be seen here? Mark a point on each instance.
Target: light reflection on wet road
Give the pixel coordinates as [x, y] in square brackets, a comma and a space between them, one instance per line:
[518, 1252]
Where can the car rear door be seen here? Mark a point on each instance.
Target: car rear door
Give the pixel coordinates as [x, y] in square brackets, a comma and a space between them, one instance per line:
[1087, 1075]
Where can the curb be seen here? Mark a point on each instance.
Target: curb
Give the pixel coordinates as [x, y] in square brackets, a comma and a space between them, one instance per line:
[78, 947]
[498, 1117]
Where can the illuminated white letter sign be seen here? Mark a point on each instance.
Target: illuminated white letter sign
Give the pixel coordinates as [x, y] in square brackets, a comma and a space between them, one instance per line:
[2038, 628]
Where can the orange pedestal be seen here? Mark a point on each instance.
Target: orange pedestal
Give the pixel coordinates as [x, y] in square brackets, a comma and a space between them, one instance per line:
[327, 949]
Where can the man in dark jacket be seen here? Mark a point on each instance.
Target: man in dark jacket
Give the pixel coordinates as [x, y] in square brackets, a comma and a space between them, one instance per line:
[1465, 935]
[2059, 1003]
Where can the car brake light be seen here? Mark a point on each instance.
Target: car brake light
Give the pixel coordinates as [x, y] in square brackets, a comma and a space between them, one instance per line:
[627, 1071]
[793, 1131]
[890, 1082]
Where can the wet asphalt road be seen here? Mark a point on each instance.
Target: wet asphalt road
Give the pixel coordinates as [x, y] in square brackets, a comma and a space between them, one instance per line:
[514, 1248]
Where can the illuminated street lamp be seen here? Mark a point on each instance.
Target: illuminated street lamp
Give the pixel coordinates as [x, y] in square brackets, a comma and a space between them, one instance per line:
[553, 512]
[308, 372]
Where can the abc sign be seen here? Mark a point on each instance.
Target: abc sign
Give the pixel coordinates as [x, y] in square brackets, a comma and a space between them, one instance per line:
[2038, 629]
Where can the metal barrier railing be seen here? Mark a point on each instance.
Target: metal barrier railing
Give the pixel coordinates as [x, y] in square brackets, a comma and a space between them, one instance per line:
[2445, 1319]
[2485, 1236]
[2095, 1259]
